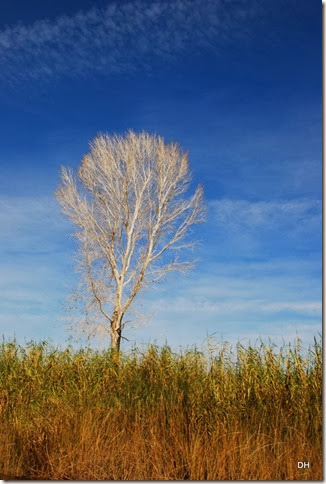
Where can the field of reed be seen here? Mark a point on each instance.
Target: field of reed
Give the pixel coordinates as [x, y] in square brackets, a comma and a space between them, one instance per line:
[158, 415]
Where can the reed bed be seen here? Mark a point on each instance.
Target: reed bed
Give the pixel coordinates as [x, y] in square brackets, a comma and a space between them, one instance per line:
[159, 415]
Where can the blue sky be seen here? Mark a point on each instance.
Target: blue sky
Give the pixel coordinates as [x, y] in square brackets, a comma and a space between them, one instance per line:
[238, 85]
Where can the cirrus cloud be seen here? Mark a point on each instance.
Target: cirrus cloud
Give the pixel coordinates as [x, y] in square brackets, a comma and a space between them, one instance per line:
[121, 37]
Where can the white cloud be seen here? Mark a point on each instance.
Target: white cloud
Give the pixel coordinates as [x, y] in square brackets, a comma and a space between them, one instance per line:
[280, 302]
[35, 268]
[266, 214]
[121, 37]
[203, 305]
[268, 228]
[31, 224]
[271, 297]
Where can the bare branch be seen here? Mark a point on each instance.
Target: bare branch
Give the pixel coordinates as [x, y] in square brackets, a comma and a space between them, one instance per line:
[130, 209]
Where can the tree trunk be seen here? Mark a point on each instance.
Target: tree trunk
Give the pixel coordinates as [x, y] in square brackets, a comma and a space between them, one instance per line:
[115, 340]
[116, 331]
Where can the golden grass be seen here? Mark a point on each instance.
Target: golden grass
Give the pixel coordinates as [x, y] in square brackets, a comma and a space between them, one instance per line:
[157, 415]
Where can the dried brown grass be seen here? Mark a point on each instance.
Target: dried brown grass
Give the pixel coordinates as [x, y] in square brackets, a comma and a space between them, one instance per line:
[160, 416]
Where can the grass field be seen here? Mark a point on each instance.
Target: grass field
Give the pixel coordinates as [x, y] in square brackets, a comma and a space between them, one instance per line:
[157, 415]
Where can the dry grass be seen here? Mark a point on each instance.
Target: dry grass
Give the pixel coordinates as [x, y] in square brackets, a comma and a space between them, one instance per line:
[157, 415]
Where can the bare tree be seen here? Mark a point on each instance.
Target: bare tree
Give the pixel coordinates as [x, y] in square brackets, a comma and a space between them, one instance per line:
[131, 215]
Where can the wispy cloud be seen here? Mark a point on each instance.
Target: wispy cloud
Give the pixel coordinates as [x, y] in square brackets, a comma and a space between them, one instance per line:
[120, 37]
[216, 295]
[235, 299]
[244, 227]
[280, 305]
[35, 267]
[31, 225]
[183, 305]
[267, 214]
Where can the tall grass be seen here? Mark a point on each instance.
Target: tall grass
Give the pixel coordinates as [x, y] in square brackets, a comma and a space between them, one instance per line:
[157, 415]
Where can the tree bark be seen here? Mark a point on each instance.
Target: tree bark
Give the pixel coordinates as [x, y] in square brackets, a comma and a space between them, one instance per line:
[116, 331]
[115, 340]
